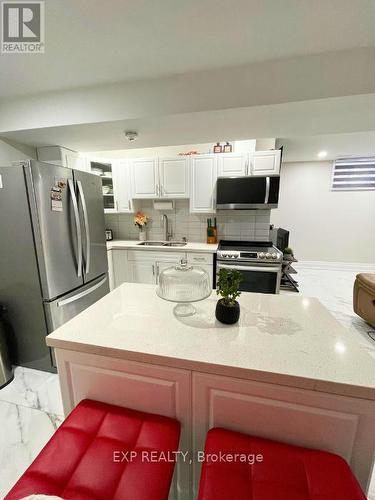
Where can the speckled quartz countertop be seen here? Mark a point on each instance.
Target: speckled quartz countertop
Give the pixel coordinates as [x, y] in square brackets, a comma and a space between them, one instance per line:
[281, 339]
[189, 247]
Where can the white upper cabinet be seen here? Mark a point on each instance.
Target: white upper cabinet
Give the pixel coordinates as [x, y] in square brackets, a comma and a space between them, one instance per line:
[144, 173]
[265, 162]
[57, 155]
[232, 164]
[160, 178]
[82, 163]
[174, 177]
[122, 187]
[203, 171]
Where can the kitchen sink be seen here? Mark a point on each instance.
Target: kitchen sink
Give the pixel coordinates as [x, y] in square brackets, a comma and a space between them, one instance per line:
[175, 244]
[152, 243]
[162, 243]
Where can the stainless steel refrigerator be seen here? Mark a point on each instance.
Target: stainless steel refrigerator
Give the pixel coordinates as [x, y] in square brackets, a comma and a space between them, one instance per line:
[53, 258]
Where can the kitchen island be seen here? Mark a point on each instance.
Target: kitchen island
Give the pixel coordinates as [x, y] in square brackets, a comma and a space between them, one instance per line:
[287, 371]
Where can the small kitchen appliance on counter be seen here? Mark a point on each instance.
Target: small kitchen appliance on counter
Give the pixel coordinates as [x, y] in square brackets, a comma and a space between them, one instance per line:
[258, 261]
[184, 284]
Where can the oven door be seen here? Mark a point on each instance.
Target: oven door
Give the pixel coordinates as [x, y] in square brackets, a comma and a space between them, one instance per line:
[256, 278]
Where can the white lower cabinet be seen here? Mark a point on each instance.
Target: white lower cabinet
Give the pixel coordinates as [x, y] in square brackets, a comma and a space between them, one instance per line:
[337, 424]
[204, 260]
[201, 401]
[143, 266]
[142, 272]
[140, 386]
[118, 268]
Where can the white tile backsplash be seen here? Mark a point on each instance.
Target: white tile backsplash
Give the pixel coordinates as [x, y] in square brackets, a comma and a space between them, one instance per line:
[240, 225]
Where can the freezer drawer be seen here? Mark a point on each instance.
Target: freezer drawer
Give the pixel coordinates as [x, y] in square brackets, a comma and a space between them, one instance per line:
[65, 308]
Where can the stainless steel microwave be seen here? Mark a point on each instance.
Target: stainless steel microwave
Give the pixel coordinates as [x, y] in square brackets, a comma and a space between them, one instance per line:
[247, 193]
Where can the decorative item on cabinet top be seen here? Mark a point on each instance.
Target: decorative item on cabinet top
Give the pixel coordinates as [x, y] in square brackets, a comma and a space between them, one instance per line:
[227, 148]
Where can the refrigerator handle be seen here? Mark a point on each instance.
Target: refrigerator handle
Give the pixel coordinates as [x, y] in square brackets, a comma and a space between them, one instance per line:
[87, 227]
[79, 296]
[78, 227]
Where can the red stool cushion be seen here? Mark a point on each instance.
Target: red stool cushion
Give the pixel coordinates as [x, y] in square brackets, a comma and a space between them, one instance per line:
[77, 463]
[286, 472]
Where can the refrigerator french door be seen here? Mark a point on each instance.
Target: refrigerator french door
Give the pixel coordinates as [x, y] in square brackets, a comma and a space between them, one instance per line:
[54, 262]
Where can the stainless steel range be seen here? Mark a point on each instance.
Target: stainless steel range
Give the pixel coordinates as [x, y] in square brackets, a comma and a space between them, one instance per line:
[258, 261]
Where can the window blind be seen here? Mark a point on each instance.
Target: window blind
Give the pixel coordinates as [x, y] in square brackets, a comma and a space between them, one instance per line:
[354, 174]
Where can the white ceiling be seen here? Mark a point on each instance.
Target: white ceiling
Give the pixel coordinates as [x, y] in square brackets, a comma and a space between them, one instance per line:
[347, 123]
[89, 42]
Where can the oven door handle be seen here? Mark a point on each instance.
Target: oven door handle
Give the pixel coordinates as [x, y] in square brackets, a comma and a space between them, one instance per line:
[271, 269]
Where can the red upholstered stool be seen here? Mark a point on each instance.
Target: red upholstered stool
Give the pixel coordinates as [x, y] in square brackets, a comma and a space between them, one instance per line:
[286, 472]
[80, 460]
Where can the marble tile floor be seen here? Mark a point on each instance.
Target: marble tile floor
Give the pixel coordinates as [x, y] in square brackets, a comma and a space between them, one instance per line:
[31, 408]
[30, 411]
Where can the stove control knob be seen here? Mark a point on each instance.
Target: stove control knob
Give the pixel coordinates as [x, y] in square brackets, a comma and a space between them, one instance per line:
[274, 255]
[233, 256]
[261, 255]
[268, 255]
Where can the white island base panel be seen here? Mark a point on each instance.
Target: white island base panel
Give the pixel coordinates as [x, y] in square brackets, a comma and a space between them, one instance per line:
[142, 367]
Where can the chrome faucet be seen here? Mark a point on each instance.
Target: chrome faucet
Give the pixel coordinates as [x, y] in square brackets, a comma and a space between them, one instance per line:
[167, 232]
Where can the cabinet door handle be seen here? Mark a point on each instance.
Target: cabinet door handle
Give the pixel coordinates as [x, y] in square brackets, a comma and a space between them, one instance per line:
[199, 258]
[153, 269]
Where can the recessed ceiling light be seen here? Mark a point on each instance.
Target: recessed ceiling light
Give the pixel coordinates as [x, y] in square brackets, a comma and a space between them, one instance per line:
[322, 154]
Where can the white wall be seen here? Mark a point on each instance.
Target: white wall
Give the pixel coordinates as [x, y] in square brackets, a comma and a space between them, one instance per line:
[10, 152]
[324, 225]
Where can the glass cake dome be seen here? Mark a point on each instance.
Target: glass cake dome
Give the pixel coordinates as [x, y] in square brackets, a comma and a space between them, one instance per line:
[184, 284]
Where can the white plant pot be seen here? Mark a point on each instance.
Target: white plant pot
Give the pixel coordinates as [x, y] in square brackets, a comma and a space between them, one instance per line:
[142, 235]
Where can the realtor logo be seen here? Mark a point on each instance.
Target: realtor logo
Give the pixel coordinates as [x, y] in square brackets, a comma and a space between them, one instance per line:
[22, 30]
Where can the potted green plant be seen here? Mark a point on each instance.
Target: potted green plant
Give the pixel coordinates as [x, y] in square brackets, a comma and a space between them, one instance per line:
[227, 285]
[288, 254]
